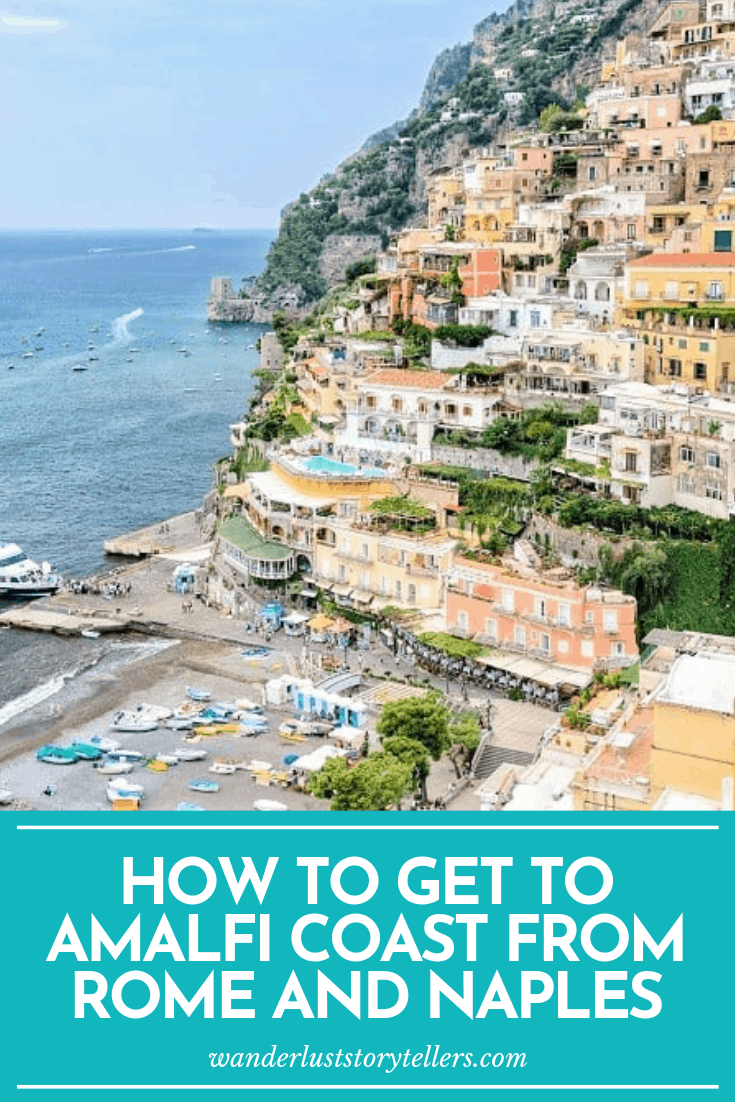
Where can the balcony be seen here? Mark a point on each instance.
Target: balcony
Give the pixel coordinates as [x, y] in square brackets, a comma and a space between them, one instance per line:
[352, 556]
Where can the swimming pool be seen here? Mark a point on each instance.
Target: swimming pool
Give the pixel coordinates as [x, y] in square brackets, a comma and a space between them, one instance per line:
[322, 464]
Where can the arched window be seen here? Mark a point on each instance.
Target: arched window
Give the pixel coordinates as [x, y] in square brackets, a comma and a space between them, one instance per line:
[580, 290]
[602, 292]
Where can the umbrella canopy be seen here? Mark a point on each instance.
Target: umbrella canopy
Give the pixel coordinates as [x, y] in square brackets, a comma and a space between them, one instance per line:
[320, 623]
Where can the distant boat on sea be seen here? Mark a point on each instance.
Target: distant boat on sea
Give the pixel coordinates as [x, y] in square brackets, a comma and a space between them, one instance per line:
[80, 367]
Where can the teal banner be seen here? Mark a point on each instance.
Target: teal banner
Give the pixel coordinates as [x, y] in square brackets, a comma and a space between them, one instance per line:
[582, 956]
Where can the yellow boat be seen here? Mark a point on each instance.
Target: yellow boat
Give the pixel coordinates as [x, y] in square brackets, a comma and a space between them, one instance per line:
[157, 766]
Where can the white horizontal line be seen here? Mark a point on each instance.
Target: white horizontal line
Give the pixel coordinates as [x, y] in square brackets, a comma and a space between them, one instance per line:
[338, 826]
[370, 1087]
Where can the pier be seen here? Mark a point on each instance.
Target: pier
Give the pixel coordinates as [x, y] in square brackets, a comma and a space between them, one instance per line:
[168, 537]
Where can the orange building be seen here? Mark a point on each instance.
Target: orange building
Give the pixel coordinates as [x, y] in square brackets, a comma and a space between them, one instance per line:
[542, 614]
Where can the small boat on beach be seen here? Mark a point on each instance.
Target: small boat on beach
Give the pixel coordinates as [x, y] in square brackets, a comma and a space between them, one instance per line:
[80, 367]
[203, 786]
[86, 751]
[89, 633]
[124, 790]
[224, 769]
[106, 745]
[57, 755]
[133, 721]
[180, 723]
[190, 753]
[186, 806]
[27, 356]
[126, 756]
[198, 694]
[115, 768]
[168, 759]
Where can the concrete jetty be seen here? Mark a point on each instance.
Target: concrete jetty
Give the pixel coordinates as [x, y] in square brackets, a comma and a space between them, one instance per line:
[161, 538]
[61, 621]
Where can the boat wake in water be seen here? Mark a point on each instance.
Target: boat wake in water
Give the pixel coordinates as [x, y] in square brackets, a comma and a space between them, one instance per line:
[120, 331]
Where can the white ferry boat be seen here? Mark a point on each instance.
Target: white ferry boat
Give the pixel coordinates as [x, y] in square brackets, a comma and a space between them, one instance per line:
[22, 577]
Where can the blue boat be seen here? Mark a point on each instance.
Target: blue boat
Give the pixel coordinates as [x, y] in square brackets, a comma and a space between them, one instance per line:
[57, 755]
[86, 752]
[198, 694]
[203, 786]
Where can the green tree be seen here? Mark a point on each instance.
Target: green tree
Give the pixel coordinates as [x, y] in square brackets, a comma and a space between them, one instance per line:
[464, 737]
[372, 785]
[413, 754]
[424, 719]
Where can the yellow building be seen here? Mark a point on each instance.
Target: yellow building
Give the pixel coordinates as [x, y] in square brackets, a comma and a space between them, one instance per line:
[370, 567]
[681, 304]
[693, 747]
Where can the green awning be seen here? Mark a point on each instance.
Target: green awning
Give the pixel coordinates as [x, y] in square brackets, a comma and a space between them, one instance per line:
[240, 533]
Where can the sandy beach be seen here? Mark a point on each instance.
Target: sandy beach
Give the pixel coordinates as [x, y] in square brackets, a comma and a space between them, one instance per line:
[159, 679]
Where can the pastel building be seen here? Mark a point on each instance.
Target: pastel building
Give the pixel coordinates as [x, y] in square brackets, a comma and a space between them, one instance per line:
[693, 747]
[543, 615]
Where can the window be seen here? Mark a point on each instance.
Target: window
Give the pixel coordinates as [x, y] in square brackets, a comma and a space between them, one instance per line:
[713, 491]
[659, 223]
[588, 650]
[397, 404]
[519, 637]
[723, 241]
[712, 460]
[541, 608]
[686, 454]
[513, 319]
[685, 484]
[631, 461]
[397, 591]
[341, 572]
[681, 343]
[704, 346]
[632, 234]
[491, 629]
[610, 622]
[632, 494]
[462, 621]
[535, 319]
[589, 617]
[412, 595]
[617, 650]
[675, 369]
[591, 172]
[545, 642]
[641, 286]
[703, 179]
[565, 616]
[716, 291]
[700, 371]
[508, 600]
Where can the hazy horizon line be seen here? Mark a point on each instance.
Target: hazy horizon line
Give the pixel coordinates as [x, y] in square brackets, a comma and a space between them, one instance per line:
[138, 229]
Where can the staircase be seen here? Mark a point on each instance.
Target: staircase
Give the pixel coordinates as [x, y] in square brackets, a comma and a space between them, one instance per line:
[489, 756]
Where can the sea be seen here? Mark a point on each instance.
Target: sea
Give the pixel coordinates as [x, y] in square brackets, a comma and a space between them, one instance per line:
[106, 424]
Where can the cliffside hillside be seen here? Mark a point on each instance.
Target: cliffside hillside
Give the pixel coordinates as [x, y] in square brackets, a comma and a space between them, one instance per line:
[548, 50]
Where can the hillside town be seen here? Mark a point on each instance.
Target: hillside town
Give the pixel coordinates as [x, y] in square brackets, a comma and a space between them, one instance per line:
[510, 434]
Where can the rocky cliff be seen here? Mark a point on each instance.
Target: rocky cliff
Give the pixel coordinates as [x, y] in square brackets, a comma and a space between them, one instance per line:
[552, 50]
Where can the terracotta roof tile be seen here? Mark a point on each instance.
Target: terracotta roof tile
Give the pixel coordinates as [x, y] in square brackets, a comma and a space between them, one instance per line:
[421, 380]
[685, 260]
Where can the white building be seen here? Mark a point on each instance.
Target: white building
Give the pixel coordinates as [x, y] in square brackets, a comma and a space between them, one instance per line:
[662, 445]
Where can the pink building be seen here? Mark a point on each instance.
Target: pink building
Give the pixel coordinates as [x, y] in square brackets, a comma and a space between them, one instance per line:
[545, 615]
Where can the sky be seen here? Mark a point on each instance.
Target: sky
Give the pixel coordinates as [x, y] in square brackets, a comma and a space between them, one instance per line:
[175, 113]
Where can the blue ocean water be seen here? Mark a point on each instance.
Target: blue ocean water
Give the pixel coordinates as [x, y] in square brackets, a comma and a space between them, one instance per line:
[87, 454]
